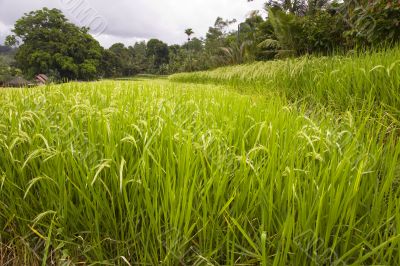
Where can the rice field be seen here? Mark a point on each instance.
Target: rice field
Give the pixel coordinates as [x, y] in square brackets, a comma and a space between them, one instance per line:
[254, 165]
[340, 82]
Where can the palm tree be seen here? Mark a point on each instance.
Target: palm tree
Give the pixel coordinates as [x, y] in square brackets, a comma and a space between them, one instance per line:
[189, 32]
[235, 53]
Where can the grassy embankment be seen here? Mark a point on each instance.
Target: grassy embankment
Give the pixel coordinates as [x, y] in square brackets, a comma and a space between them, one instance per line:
[302, 170]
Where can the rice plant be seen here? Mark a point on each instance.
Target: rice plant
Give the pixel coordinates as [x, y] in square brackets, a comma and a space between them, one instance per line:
[340, 82]
[157, 172]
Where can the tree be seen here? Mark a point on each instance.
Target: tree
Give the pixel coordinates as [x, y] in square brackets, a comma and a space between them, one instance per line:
[255, 31]
[6, 50]
[125, 60]
[235, 53]
[139, 51]
[7, 54]
[50, 43]
[216, 38]
[288, 30]
[157, 54]
[189, 32]
[372, 22]
[298, 7]
[4, 70]
[109, 64]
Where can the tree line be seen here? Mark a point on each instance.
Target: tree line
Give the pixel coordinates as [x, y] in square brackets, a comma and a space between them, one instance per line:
[45, 41]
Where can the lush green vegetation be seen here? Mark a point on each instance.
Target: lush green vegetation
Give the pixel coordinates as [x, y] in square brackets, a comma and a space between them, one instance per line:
[48, 43]
[341, 82]
[286, 162]
[159, 172]
[7, 68]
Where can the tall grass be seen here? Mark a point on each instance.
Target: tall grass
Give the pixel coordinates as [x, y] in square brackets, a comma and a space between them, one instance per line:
[338, 82]
[155, 172]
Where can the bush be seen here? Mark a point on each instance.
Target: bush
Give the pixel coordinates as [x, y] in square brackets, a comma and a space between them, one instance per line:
[375, 23]
[318, 33]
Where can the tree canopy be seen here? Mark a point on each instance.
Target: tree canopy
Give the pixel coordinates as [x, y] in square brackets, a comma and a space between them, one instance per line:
[49, 43]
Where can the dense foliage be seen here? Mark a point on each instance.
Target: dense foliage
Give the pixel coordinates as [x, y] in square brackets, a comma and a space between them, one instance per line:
[292, 28]
[7, 64]
[373, 22]
[52, 45]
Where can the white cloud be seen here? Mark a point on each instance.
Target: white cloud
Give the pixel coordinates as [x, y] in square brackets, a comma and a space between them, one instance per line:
[4, 31]
[130, 20]
[108, 40]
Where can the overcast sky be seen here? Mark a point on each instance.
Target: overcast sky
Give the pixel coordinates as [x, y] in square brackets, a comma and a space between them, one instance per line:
[128, 21]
